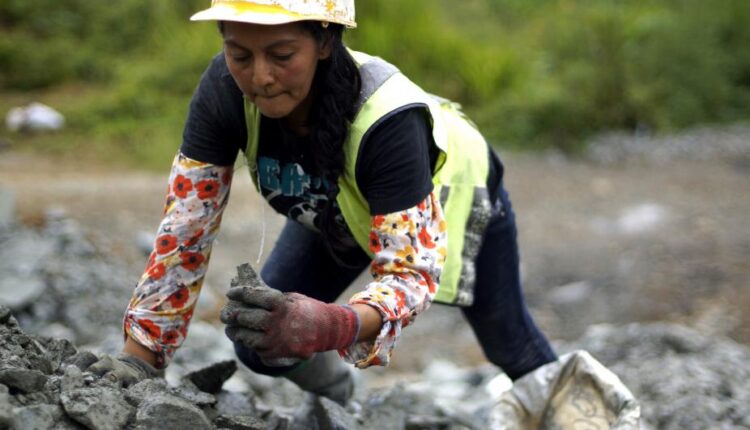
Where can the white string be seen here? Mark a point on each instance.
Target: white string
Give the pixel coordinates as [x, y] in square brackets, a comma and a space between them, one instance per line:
[263, 232]
[262, 210]
[262, 220]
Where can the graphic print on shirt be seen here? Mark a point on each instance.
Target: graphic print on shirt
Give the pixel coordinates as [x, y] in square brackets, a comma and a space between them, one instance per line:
[291, 191]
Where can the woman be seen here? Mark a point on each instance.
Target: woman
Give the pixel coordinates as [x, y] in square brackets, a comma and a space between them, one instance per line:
[371, 172]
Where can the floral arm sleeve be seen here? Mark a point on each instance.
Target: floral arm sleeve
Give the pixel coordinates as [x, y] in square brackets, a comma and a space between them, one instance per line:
[163, 301]
[410, 248]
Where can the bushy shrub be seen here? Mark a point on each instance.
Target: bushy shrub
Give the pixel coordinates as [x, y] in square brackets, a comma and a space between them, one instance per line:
[648, 65]
[46, 42]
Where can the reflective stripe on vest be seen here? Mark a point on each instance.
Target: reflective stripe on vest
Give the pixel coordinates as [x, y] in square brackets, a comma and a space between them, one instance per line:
[460, 178]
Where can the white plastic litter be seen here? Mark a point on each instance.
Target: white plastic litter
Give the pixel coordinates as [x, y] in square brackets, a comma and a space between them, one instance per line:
[34, 117]
[575, 392]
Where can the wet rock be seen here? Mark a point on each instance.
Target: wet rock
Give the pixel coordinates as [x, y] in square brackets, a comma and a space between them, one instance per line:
[210, 379]
[37, 417]
[385, 408]
[418, 422]
[40, 363]
[86, 291]
[56, 351]
[145, 389]
[32, 399]
[21, 257]
[230, 403]
[192, 394]
[72, 379]
[24, 380]
[97, 408]
[682, 379]
[5, 314]
[82, 360]
[246, 277]
[206, 345]
[56, 279]
[66, 424]
[332, 416]
[448, 393]
[279, 394]
[19, 351]
[73, 240]
[169, 412]
[301, 417]
[277, 422]
[6, 409]
[240, 423]
[148, 388]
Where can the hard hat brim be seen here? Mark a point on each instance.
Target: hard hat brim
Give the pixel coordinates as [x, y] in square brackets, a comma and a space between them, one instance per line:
[257, 14]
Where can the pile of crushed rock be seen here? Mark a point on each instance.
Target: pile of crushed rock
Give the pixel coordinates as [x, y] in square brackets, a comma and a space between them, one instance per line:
[57, 282]
[44, 385]
[682, 379]
[57, 290]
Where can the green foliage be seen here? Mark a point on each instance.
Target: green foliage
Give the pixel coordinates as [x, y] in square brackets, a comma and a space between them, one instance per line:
[532, 73]
[142, 59]
[659, 65]
[46, 42]
[414, 35]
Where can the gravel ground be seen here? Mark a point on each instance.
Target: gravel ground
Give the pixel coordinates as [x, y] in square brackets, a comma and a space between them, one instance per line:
[607, 238]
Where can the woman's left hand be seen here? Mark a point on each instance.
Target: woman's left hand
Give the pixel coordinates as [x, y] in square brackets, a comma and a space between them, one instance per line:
[124, 369]
[287, 325]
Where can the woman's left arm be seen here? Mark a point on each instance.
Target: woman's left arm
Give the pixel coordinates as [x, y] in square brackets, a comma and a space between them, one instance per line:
[409, 248]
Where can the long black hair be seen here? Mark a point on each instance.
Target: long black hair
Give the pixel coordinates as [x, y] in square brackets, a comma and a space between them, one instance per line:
[336, 87]
[337, 84]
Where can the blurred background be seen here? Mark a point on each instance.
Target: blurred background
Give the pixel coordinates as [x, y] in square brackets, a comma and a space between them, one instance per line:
[533, 74]
[623, 125]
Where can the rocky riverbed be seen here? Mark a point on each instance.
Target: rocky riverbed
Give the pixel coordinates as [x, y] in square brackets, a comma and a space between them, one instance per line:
[643, 229]
[59, 290]
[683, 380]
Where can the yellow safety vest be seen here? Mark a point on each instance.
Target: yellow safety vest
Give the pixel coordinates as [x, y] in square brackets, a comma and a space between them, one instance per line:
[460, 176]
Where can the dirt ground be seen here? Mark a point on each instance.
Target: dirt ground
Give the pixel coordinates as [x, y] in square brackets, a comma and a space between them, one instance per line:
[599, 244]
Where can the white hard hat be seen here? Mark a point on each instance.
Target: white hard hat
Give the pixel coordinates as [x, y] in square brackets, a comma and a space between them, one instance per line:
[272, 12]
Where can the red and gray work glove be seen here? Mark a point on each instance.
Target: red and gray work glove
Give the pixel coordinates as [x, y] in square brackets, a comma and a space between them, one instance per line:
[286, 325]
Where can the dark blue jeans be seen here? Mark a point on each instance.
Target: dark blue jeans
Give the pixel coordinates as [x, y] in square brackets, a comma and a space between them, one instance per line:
[501, 321]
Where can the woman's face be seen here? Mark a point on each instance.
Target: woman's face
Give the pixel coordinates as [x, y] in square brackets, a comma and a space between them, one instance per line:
[273, 65]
